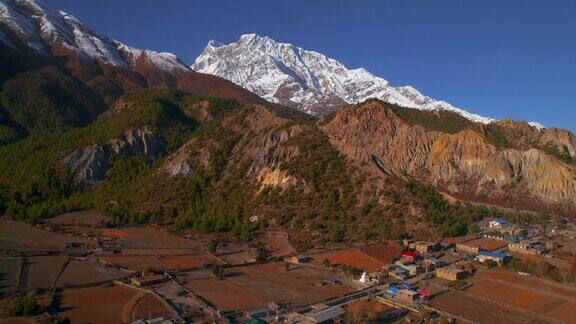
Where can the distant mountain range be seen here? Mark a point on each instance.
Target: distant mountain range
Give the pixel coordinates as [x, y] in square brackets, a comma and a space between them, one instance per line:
[42, 29]
[278, 72]
[308, 80]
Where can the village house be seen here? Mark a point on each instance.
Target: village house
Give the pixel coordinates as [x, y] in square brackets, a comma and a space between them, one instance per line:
[498, 223]
[400, 273]
[425, 247]
[527, 248]
[430, 264]
[407, 295]
[451, 273]
[484, 256]
[409, 255]
[414, 269]
[468, 248]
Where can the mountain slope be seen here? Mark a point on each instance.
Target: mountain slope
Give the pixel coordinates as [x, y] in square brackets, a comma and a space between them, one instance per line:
[56, 71]
[465, 162]
[32, 25]
[306, 80]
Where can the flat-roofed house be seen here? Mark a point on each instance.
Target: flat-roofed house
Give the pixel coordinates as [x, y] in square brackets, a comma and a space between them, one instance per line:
[494, 256]
[451, 273]
[498, 223]
[468, 247]
[407, 295]
[426, 247]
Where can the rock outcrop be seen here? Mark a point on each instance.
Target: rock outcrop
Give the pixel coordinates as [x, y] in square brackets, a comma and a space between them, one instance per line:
[464, 164]
[523, 136]
[263, 139]
[89, 164]
[138, 142]
[193, 153]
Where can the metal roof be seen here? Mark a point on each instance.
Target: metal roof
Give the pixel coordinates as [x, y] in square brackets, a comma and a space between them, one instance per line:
[326, 314]
[492, 254]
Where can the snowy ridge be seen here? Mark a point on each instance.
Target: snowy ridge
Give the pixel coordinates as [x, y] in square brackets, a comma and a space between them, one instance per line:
[164, 60]
[308, 80]
[40, 28]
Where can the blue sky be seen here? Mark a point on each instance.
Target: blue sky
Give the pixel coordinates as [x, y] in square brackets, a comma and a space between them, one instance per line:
[514, 58]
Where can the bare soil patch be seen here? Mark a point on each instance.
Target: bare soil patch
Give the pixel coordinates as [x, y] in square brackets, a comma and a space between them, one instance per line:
[236, 254]
[354, 258]
[134, 262]
[295, 287]
[224, 294]
[489, 244]
[383, 253]
[192, 261]
[532, 294]
[88, 218]
[9, 267]
[79, 272]
[106, 304]
[146, 238]
[148, 307]
[42, 272]
[20, 236]
[458, 303]
[277, 243]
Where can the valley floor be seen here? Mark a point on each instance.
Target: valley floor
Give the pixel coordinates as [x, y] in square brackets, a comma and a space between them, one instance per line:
[143, 273]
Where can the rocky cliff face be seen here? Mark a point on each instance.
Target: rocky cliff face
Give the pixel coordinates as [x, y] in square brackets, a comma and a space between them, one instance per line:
[137, 142]
[89, 164]
[464, 164]
[524, 136]
[262, 138]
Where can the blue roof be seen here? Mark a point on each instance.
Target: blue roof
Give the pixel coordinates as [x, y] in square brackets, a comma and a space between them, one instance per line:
[501, 220]
[401, 270]
[493, 254]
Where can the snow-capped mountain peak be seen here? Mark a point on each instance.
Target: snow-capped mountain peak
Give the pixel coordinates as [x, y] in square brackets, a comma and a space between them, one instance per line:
[41, 29]
[304, 79]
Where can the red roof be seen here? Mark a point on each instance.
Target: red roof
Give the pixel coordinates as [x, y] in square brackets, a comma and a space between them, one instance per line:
[409, 254]
[423, 292]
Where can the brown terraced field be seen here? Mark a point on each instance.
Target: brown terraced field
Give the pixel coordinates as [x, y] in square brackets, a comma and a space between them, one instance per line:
[160, 262]
[277, 244]
[532, 294]
[461, 304]
[20, 236]
[355, 258]
[134, 262]
[9, 273]
[79, 272]
[146, 238]
[223, 294]
[383, 253]
[42, 272]
[110, 304]
[88, 218]
[249, 287]
[192, 261]
[296, 287]
[489, 244]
